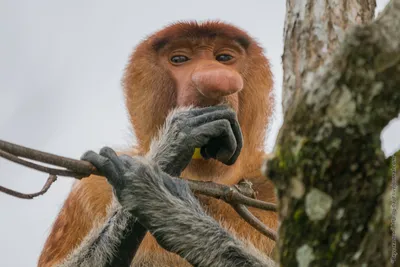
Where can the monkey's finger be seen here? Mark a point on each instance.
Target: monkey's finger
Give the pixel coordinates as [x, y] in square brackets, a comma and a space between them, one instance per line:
[219, 114]
[239, 142]
[191, 112]
[210, 150]
[113, 157]
[127, 160]
[197, 111]
[104, 166]
[228, 114]
[216, 130]
[222, 148]
[94, 158]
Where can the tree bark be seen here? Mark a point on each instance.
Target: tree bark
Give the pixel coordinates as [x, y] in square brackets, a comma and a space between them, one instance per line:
[328, 167]
[313, 30]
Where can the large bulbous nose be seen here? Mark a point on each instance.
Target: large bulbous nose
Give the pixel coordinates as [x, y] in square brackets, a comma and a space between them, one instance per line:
[216, 80]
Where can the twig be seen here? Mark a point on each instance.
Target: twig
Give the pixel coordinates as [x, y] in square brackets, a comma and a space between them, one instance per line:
[229, 194]
[37, 167]
[237, 195]
[52, 178]
[254, 221]
[78, 167]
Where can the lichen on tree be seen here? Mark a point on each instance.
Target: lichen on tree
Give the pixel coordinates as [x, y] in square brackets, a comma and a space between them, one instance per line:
[340, 91]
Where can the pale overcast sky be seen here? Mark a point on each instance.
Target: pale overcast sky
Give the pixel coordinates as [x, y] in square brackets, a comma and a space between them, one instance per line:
[60, 68]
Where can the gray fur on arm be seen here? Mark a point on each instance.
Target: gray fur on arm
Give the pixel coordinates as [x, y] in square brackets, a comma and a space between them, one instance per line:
[180, 225]
[165, 205]
[101, 244]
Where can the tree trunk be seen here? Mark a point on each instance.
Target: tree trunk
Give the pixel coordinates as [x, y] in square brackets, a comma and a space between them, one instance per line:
[313, 30]
[328, 166]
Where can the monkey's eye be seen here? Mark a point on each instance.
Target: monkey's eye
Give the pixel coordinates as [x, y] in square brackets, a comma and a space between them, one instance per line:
[179, 59]
[224, 58]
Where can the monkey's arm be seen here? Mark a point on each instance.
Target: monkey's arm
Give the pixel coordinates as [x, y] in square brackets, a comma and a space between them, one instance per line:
[85, 208]
[168, 209]
[214, 129]
[110, 244]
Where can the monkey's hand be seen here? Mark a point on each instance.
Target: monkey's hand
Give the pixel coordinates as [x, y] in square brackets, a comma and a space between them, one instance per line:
[167, 208]
[214, 129]
[136, 179]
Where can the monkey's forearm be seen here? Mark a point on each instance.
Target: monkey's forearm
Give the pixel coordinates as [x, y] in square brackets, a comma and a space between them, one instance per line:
[168, 209]
[166, 150]
[202, 241]
[180, 225]
[130, 242]
[113, 243]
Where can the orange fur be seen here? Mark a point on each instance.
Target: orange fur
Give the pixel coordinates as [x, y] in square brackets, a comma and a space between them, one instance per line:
[87, 203]
[151, 93]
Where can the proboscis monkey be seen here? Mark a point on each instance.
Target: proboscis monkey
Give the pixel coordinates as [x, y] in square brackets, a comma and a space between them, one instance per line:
[191, 85]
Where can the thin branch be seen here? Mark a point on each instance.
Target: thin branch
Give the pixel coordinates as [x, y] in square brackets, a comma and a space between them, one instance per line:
[79, 167]
[229, 194]
[254, 221]
[52, 178]
[237, 195]
[37, 167]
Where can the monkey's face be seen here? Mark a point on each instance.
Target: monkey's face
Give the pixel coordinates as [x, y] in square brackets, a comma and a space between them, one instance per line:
[205, 72]
[199, 64]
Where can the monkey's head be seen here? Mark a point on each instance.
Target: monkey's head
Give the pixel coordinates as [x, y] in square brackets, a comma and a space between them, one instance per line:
[200, 64]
